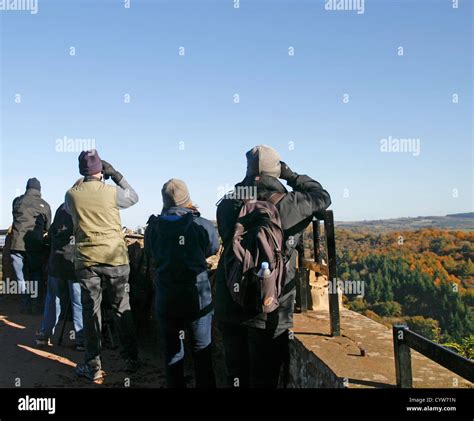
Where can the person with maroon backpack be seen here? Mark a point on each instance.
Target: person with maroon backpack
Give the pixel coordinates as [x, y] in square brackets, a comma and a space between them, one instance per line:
[260, 224]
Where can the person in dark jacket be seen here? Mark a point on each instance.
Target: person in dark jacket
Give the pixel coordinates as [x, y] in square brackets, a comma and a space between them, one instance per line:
[61, 281]
[31, 221]
[256, 347]
[179, 241]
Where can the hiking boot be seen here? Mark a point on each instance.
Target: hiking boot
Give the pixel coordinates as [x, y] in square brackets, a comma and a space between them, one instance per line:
[43, 341]
[132, 366]
[91, 373]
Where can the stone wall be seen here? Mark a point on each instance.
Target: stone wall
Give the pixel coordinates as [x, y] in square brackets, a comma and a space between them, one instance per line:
[306, 370]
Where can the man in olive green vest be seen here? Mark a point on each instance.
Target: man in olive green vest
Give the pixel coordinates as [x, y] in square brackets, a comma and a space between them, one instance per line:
[101, 258]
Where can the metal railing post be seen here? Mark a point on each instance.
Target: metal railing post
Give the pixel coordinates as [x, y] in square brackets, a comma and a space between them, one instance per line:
[402, 358]
[333, 293]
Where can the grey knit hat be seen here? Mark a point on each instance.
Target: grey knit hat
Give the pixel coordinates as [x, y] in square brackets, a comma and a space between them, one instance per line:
[175, 193]
[263, 160]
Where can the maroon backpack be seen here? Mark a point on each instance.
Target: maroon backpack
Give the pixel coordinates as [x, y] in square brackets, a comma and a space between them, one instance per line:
[258, 238]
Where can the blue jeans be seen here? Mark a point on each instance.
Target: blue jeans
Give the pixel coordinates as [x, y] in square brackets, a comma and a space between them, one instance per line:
[56, 299]
[18, 263]
[200, 334]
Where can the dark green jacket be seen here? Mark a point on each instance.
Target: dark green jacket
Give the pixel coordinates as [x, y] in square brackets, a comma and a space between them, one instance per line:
[31, 220]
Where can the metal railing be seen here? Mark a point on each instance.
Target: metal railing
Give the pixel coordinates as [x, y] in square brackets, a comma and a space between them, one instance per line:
[404, 340]
[303, 293]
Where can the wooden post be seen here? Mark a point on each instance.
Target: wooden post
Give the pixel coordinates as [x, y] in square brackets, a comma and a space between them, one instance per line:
[333, 294]
[317, 241]
[302, 280]
[402, 358]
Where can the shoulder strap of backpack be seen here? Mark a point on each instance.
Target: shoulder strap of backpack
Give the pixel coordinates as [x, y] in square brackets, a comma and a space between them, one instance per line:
[276, 198]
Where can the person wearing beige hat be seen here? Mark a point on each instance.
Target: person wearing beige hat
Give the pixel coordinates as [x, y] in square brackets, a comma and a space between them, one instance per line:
[179, 241]
[256, 346]
[175, 193]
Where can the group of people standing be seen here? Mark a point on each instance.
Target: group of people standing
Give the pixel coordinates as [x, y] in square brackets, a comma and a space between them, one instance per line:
[89, 257]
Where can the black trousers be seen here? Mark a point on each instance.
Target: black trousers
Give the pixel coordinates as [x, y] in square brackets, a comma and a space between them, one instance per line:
[254, 357]
[115, 280]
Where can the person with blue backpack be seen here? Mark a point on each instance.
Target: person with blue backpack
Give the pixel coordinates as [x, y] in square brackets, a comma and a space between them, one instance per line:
[179, 241]
[261, 224]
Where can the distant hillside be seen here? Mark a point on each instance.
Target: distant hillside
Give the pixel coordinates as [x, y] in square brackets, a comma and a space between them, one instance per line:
[424, 278]
[457, 222]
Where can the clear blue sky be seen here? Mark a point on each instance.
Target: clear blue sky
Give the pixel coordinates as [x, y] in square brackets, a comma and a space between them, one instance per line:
[283, 98]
